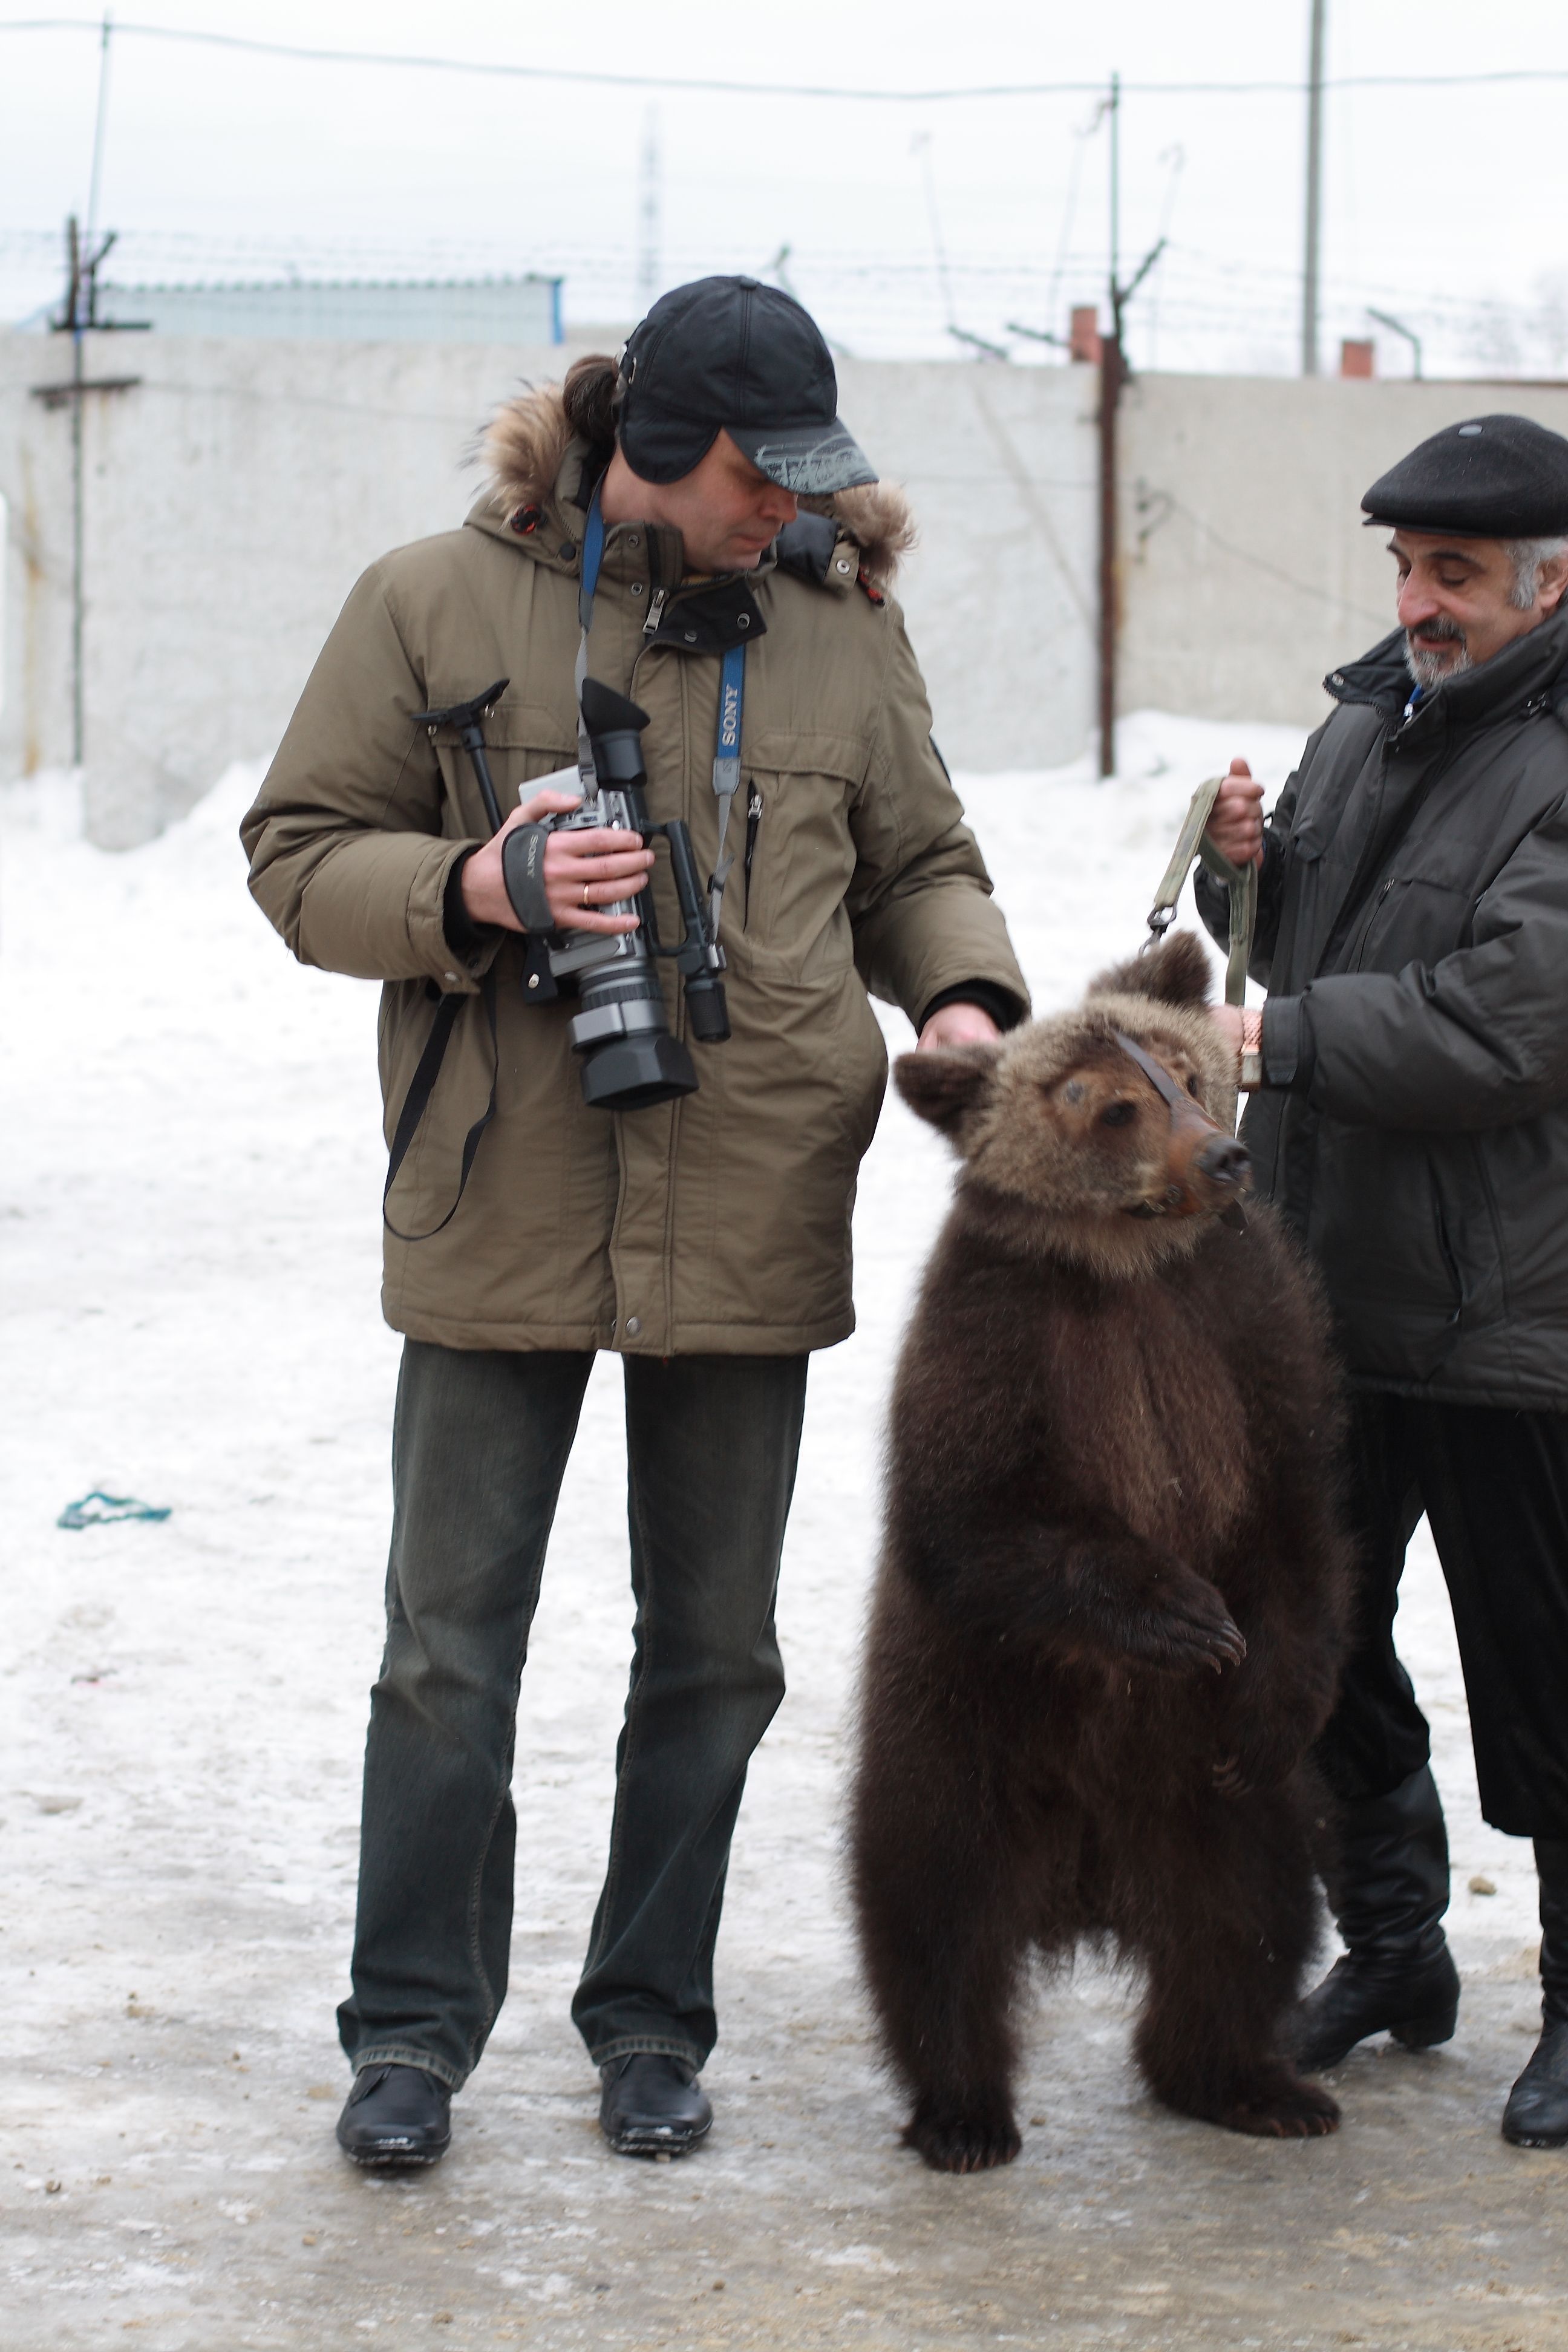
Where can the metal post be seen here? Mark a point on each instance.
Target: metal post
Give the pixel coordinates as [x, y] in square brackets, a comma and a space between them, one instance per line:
[1109, 396]
[648, 212]
[75, 322]
[1387, 318]
[95, 178]
[1113, 375]
[1314, 192]
[1114, 110]
[83, 306]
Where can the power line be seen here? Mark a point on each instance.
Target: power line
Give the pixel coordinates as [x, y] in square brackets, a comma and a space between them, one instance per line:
[709, 86]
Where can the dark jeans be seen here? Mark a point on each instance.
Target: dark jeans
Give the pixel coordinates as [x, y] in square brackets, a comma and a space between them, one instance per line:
[480, 1448]
[1494, 1487]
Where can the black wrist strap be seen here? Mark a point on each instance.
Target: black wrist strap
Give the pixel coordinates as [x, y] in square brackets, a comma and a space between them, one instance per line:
[522, 871]
[422, 1086]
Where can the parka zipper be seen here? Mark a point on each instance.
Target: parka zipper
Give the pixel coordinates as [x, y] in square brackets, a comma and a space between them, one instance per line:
[1369, 920]
[655, 612]
[753, 819]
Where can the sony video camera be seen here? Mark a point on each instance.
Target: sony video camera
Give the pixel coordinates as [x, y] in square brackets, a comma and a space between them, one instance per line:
[630, 1059]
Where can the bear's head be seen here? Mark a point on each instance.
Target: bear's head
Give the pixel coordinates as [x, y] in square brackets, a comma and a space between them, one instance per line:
[1091, 1137]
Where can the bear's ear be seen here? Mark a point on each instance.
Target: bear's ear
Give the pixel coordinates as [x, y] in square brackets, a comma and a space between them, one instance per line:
[1176, 972]
[946, 1084]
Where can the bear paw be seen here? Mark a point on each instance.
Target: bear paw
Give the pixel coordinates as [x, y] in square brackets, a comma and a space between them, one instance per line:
[962, 2143]
[1286, 2108]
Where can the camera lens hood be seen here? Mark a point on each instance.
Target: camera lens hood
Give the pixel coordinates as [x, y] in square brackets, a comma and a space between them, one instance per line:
[634, 1073]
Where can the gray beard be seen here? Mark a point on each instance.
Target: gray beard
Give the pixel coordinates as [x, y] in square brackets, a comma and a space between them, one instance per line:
[1429, 670]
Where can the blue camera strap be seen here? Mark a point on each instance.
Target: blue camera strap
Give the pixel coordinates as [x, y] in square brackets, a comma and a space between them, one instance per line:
[593, 556]
[731, 706]
[727, 765]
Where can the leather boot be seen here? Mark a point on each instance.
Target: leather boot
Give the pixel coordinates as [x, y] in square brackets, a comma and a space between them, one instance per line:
[1536, 2114]
[652, 2105]
[396, 2116]
[1389, 1889]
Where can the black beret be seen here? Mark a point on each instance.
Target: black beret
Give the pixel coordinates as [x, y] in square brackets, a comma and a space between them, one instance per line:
[1490, 477]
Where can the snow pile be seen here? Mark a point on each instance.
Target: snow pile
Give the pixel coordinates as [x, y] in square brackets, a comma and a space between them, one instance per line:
[190, 1213]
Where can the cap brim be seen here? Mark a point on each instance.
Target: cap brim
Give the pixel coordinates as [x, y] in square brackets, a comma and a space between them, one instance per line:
[1434, 530]
[813, 460]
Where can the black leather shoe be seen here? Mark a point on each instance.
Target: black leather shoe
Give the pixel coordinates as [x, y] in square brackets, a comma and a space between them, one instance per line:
[1415, 2000]
[1389, 1888]
[652, 2105]
[396, 2115]
[1536, 2114]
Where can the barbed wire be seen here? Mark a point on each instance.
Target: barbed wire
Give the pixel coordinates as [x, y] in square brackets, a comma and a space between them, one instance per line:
[889, 305]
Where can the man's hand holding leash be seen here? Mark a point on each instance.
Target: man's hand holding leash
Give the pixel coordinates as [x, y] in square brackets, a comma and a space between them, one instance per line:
[1235, 829]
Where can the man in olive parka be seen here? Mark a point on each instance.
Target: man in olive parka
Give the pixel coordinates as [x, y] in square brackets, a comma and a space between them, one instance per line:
[1410, 1120]
[706, 1240]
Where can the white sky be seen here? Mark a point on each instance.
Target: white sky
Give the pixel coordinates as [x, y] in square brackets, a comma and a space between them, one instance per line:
[1449, 207]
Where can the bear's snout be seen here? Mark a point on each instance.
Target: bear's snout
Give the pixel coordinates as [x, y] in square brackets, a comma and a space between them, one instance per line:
[1206, 1169]
[1223, 1161]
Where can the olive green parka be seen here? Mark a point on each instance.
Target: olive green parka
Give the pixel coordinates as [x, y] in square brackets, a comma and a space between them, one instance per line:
[718, 1222]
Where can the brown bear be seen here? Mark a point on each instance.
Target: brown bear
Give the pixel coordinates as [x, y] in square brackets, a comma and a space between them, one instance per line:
[1112, 1596]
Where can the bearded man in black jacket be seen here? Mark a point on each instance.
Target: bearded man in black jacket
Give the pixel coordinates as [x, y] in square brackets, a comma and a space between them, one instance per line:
[1409, 1118]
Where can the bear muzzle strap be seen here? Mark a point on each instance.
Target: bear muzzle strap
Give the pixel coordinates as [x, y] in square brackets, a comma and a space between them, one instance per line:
[1204, 1160]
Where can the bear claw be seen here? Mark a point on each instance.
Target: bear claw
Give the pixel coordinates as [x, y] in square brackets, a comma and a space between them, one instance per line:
[962, 2143]
[1285, 2111]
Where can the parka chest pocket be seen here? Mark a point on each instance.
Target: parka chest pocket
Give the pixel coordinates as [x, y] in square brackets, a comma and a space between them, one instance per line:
[1415, 919]
[795, 852]
[523, 740]
[1311, 835]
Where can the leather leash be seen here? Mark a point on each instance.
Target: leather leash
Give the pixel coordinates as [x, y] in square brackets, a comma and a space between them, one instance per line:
[1241, 885]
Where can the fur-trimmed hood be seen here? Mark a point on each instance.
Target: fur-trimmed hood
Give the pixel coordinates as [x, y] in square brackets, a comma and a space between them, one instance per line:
[527, 440]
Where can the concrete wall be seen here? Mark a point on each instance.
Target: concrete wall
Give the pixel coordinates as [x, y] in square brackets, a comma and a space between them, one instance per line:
[1246, 574]
[231, 500]
[234, 495]
[1000, 465]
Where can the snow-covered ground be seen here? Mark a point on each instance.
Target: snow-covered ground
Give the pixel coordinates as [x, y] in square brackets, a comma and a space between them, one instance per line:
[190, 1216]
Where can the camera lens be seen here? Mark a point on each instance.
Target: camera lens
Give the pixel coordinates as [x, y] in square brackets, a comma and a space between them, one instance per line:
[634, 1073]
[630, 1059]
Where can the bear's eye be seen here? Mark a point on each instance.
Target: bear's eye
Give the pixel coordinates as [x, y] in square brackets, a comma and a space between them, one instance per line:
[1118, 1114]
[1192, 1083]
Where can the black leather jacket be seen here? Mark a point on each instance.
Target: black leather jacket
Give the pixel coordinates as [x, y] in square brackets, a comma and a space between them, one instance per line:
[1412, 935]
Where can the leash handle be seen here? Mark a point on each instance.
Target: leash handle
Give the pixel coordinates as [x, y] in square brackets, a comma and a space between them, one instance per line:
[1200, 808]
[1240, 881]
[1241, 887]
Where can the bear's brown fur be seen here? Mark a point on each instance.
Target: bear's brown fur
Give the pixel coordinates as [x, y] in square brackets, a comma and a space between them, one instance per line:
[1111, 1602]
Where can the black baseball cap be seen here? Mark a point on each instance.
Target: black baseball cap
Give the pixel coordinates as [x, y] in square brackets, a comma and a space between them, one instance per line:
[732, 355]
[1490, 477]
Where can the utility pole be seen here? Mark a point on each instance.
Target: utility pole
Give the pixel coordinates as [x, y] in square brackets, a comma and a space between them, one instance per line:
[1110, 373]
[648, 212]
[1113, 375]
[79, 317]
[80, 313]
[95, 180]
[1314, 221]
